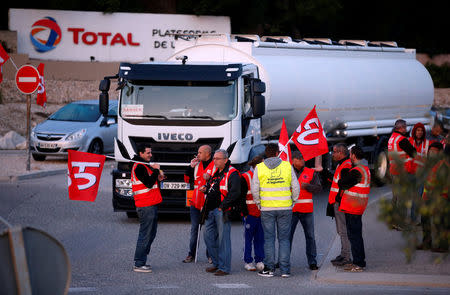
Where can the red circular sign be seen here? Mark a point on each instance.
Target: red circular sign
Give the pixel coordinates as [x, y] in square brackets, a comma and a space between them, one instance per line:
[27, 79]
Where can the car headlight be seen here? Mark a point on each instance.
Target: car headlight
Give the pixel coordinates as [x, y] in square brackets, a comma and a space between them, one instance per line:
[33, 134]
[122, 182]
[76, 135]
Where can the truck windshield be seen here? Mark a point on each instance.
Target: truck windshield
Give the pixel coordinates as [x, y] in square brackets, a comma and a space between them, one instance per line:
[175, 100]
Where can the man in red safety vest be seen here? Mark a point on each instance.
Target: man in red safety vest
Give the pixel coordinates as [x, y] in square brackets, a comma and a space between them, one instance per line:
[400, 149]
[356, 187]
[343, 165]
[303, 207]
[223, 192]
[145, 179]
[199, 171]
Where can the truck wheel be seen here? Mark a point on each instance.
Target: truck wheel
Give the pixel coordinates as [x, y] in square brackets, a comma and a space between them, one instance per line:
[132, 215]
[381, 169]
[38, 157]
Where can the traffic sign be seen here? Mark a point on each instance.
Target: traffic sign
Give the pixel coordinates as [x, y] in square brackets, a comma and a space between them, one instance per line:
[27, 79]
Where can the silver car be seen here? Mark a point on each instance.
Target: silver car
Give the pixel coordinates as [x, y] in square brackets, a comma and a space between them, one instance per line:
[76, 126]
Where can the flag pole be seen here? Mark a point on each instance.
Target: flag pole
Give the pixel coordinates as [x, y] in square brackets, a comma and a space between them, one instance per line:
[10, 58]
[284, 147]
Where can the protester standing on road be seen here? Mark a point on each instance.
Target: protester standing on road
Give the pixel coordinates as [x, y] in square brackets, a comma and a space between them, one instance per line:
[223, 191]
[343, 165]
[274, 189]
[200, 170]
[303, 208]
[399, 148]
[356, 186]
[145, 185]
[254, 234]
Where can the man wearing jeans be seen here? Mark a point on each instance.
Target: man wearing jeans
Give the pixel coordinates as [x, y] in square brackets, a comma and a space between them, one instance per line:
[144, 181]
[274, 188]
[223, 191]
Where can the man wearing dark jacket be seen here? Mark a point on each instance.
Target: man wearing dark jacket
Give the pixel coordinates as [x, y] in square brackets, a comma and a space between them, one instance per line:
[223, 191]
[145, 185]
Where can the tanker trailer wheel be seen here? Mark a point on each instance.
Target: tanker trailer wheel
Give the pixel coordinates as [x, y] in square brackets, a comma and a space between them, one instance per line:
[381, 169]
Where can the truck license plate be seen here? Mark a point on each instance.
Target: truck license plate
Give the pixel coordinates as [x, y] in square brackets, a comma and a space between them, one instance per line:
[175, 185]
[46, 145]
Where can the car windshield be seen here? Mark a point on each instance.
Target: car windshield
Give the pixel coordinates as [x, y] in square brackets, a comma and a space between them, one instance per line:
[175, 100]
[77, 112]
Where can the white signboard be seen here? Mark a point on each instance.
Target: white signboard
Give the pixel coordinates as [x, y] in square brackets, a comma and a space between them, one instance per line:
[86, 36]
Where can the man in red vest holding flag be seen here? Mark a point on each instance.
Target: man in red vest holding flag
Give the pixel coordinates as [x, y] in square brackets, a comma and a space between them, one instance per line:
[200, 170]
[309, 181]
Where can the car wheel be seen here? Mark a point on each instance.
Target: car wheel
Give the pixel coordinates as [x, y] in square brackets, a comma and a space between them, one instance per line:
[96, 147]
[38, 157]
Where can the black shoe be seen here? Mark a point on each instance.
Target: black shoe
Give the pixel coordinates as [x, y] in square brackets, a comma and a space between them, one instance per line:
[423, 247]
[266, 272]
[277, 265]
[313, 266]
[439, 250]
[337, 259]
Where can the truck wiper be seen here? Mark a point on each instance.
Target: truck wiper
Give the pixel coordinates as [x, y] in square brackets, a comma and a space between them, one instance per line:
[195, 117]
[155, 116]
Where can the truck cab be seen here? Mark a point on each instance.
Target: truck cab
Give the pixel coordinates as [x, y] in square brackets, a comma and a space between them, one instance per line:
[176, 108]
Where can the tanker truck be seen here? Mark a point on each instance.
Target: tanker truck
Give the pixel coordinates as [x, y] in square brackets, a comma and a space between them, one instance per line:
[232, 92]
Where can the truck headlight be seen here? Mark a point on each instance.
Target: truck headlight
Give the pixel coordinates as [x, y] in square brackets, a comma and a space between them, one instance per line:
[123, 182]
[76, 135]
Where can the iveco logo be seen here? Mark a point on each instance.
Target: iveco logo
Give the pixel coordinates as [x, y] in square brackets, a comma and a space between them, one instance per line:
[175, 136]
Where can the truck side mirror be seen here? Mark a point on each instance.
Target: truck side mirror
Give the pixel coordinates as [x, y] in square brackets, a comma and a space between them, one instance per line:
[258, 86]
[258, 105]
[104, 85]
[103, 103]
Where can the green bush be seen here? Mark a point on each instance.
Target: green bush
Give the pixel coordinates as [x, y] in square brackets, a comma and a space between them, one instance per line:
[439, 74]
[437, 208]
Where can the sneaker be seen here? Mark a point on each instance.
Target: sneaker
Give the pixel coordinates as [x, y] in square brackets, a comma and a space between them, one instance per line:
[354, 268]
[209, 260]
[144, 268]
[250, 266]
[259, 266]
[313, 266]
[342, 262]
[285, 275]
[188, 259]
[266, 272]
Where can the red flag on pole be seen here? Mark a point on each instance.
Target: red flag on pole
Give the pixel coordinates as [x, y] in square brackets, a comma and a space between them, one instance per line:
[310, 138]
[41, 98]
[3, 55]
[85, 170]
[283, 144]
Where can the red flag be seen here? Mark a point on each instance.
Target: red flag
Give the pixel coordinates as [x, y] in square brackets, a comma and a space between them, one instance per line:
[283, 144]
[41, 98]
[3, 55]
[310, 138]
[84, 173]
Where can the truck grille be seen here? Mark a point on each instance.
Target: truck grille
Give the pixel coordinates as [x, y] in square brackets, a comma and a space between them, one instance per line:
[175, 152]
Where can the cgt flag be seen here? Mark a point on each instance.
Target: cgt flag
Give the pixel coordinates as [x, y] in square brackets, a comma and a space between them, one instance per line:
[283, 144]
[3, 58]
[41, 98]
[84, 171]
[309, 137]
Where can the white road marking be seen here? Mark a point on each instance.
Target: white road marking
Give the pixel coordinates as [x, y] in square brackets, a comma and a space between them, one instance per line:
[232, 286]
[162, 287]
[27, 79]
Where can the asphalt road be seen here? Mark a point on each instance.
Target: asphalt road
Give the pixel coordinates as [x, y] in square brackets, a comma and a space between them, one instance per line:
[101, 243]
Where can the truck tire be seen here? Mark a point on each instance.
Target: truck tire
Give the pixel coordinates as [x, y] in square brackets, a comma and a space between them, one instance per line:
[381, 174]
[38, 157]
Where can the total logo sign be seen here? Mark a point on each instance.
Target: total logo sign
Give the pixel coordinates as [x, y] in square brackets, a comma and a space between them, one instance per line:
[46, 34]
